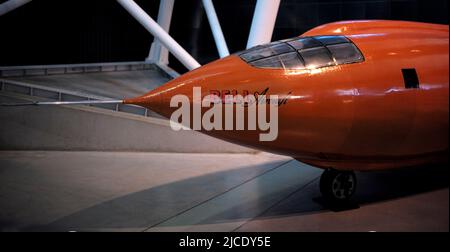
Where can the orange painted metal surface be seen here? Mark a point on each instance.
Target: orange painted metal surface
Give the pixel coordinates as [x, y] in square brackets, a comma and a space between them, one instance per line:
[347, 117]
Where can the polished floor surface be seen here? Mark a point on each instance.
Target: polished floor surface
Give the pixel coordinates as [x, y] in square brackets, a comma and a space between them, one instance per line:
[121, 191]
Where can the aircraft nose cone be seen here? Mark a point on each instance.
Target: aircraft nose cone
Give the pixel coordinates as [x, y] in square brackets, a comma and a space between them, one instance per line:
[150, 100]
[158, 100]
[213, 76]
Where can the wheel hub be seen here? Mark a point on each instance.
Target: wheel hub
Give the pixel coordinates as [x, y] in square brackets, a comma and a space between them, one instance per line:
[343, 186]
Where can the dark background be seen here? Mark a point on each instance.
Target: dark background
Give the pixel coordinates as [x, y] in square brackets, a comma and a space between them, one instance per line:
[81, 31]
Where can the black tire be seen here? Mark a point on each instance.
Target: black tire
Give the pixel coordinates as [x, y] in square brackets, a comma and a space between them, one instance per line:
[337, 186]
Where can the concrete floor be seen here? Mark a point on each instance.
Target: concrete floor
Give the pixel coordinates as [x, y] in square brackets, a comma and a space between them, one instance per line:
[119, 191]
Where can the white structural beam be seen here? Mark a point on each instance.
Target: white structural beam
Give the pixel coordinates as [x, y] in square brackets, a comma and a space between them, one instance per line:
[158, 53]
[11, 5]
[151, 26]
[216, 29]
[264, 18]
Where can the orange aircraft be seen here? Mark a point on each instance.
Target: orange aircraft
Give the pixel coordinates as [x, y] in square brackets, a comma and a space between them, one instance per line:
[355, 96]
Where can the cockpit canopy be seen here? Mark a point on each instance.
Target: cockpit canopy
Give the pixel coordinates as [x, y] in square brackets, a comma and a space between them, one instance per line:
[303, 53]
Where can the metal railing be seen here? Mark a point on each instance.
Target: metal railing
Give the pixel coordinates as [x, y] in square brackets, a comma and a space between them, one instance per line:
[19, 71]
[63, 95]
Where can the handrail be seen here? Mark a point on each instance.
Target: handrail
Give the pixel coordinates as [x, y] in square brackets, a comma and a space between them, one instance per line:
[32, 70]
[65, 95]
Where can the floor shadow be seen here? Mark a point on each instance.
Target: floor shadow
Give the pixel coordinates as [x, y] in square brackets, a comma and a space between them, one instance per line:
[372, 188]
[337, 207]
[145, 208]
[387, 185]
[149, 207]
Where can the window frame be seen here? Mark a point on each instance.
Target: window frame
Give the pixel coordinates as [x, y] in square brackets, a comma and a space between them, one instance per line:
[298, 52]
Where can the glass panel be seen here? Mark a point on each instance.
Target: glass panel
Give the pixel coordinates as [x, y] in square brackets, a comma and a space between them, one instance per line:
[304, 43]
[259, 47]
[264, 52]
[281, 48]
[345, 53]
[281, 54]
[289, 39]
[257, 54]
[240, 53]
[330, 40]
[316, 57]
[274, 43]
[272, 62]
[291, 61]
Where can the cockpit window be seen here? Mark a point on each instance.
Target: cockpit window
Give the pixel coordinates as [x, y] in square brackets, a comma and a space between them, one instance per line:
[304, 43]
[316, 57]
[287, 61]
[345, 53]
[291, 61]
[271, 62]
[275, 49]
[303, 53]
[331, 40]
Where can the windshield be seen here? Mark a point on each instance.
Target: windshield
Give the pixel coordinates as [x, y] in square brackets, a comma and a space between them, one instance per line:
[303, 53]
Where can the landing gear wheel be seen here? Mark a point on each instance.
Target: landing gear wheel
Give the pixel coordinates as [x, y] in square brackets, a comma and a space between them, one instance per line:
[337, 186]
